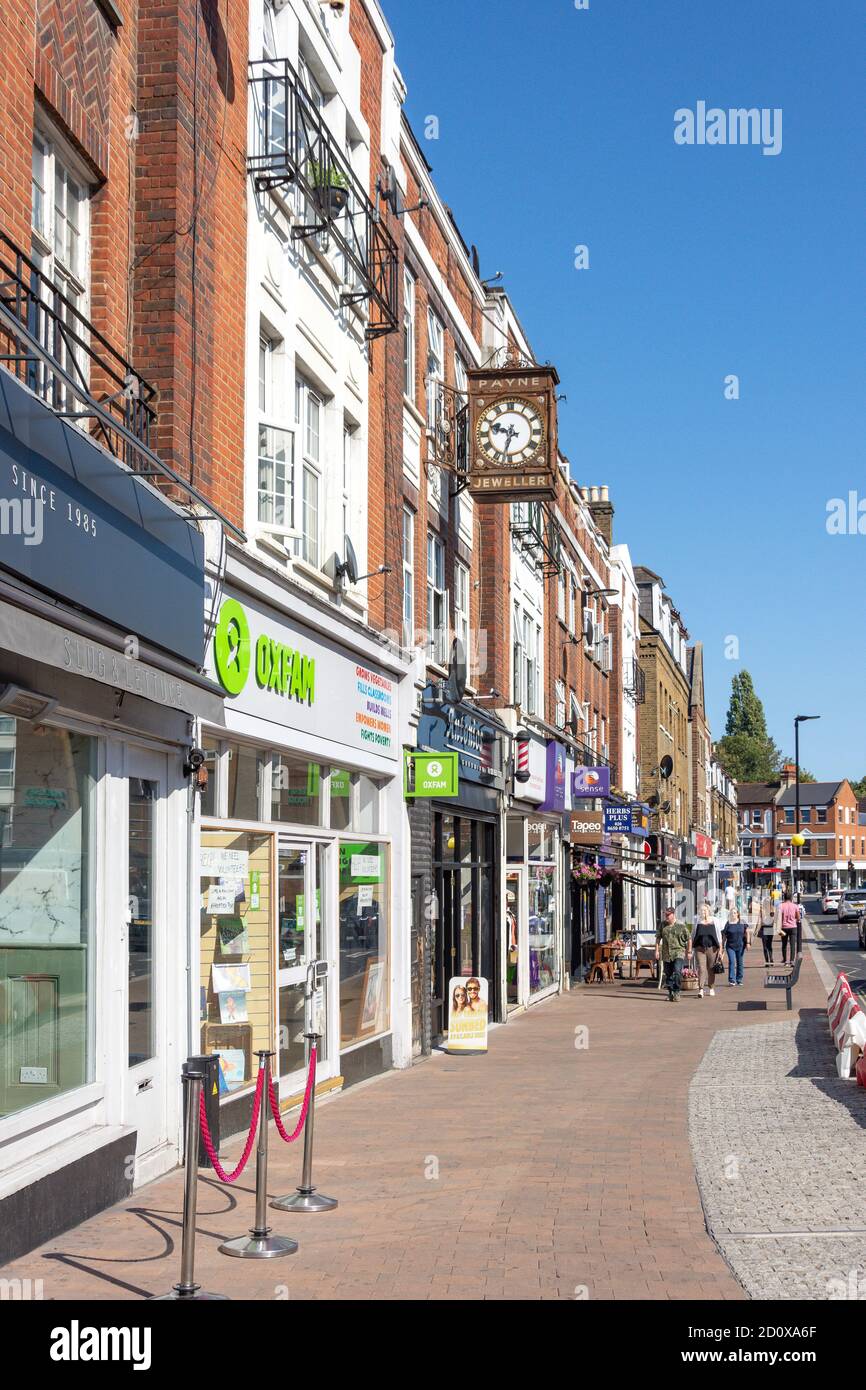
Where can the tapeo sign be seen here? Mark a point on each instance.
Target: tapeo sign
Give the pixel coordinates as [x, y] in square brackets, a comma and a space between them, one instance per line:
[278, 667]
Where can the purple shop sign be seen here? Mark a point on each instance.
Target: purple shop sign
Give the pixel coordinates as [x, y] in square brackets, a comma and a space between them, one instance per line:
[554, 791]
[590, 781]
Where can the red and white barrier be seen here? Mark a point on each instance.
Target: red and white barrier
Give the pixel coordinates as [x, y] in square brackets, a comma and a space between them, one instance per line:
[847, 1025]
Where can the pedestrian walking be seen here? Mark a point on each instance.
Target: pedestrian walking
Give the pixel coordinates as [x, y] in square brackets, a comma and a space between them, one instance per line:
[790, 916]
[762, 925]
[736, 940]
[673, 945]
[707, 947]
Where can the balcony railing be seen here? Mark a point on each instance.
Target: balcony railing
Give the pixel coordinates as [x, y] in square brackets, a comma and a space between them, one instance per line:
[537, 533]
[295, 149]
[48, 344]
[635, 682]
[76, 365]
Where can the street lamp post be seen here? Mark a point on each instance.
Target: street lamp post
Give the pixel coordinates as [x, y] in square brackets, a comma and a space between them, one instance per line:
[800, 719]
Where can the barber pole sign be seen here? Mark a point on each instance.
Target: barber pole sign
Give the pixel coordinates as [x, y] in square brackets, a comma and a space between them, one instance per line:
[521, 772]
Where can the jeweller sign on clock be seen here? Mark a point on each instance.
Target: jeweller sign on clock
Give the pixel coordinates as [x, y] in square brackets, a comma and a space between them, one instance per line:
[512, 445]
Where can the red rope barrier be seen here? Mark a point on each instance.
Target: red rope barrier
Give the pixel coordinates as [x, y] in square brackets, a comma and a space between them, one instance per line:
[275, 1109]
[208, 1141]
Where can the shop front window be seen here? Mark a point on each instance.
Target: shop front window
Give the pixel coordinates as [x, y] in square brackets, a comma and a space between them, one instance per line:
[236, 930]
[296, 794]
[541, 840]
[543, 954]
[364, 941]
[46, 848]
[245, 769]
[341, 799]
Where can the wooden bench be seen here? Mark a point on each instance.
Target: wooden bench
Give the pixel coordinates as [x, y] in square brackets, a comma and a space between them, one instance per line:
[785, 979]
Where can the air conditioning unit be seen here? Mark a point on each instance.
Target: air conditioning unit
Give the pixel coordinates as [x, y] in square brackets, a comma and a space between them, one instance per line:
[607, 653]
[588, 628]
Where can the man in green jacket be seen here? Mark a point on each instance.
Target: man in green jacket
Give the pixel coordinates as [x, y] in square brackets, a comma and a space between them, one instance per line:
[673, 945]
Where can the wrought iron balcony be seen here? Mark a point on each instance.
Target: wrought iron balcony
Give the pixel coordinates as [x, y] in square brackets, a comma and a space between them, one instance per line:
[536, 530]
[295, 150]
[48, 344]
[634, 684]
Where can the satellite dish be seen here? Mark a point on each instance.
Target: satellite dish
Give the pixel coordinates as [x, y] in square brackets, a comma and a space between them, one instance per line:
[348, 568]
[666, 766]
[455, 685]
[666, 806]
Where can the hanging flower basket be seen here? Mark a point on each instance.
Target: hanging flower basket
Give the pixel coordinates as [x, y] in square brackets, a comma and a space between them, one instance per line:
[587, 873]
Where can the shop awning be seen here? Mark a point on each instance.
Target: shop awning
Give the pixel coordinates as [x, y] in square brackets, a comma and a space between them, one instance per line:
[83, 651]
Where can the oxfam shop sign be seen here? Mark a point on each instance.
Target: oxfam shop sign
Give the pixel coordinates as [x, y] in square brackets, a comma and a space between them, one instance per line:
[278, 667]
[278, 670]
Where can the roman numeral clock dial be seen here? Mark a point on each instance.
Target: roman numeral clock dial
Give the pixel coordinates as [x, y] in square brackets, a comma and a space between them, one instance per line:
[509, 433]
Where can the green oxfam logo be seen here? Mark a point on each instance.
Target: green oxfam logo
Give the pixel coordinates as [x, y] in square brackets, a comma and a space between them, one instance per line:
[231, 646]
[278, 667]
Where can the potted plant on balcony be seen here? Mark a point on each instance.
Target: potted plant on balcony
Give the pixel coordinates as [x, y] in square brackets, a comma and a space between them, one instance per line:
[330, 186]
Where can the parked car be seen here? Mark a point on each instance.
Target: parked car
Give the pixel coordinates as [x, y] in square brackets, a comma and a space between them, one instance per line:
[851, 904]
[830, 900]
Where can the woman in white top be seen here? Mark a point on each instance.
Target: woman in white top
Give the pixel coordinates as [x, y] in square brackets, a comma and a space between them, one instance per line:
[706, 945]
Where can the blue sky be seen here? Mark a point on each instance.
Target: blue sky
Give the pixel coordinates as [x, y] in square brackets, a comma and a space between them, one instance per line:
[556, 129]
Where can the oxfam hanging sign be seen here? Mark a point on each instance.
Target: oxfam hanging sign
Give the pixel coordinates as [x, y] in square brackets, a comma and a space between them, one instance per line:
[278, 667]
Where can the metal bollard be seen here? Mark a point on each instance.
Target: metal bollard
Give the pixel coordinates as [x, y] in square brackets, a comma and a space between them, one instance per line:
[260, 1244]
[306, 1198]
[188, 1290]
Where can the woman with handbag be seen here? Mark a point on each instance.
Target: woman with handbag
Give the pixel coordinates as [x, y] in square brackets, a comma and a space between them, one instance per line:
[707, 946]
[766, 930]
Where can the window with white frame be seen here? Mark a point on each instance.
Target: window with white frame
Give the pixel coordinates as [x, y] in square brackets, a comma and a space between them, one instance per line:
[461, 380]
[517, 667]
[559, 717]
[575, 713]
[408, 334]
[531, 647]
[349, 433]
[275, 442]
[60, 248]
[435, 368]
[309, 417]
[561, 596]
[572, 605]
[437, 601]
[408, 576]
[461, 605]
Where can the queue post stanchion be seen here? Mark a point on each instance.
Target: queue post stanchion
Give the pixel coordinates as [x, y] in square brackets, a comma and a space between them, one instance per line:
[260, 1243]
[306, 1198]
[188, 1291]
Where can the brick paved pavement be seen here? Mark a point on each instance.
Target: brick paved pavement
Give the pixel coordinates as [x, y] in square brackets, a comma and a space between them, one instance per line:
[780, 1144]
[562, 1172]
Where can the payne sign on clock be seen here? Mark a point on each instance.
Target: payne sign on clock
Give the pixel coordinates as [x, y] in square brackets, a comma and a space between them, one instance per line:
[512, 438]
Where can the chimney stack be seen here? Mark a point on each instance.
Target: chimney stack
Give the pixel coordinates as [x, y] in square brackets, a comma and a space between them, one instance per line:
[602, 510]
[788, 775]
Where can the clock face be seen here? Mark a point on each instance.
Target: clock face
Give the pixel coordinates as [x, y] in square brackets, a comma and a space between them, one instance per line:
[509, 432]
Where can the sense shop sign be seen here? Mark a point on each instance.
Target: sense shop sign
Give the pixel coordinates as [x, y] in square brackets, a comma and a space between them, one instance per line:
[274, 669]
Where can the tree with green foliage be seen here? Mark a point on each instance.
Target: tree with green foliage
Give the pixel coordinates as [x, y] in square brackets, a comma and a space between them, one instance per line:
[858, 788]
[747, 753]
